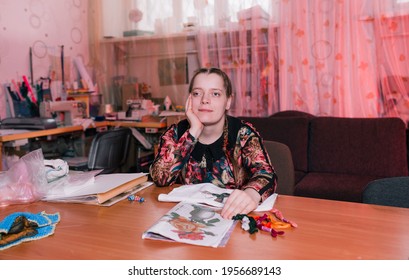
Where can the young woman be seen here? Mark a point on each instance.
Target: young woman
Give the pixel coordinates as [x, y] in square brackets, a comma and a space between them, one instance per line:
[210, 146]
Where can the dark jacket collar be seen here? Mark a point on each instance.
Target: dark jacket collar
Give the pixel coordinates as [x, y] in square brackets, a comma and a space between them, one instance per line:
[216, 148]
[212, 151]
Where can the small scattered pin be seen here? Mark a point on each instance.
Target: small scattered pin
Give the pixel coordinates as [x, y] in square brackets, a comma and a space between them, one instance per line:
[136, 198]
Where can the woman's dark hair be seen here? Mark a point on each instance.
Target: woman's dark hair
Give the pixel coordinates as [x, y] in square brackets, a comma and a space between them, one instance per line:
[223, 75]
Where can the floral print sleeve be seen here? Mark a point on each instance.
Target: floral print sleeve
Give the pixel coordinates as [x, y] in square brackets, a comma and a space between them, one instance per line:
[258, 172]
[173, 153]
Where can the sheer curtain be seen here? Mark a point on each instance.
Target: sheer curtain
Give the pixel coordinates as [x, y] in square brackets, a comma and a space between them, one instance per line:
[326, 57]
[345, 58]
[145, 63]
[243, 42]
[391, 24]
[225, 34]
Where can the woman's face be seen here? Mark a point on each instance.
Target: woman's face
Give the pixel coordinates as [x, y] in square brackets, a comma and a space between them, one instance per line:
[209, 99]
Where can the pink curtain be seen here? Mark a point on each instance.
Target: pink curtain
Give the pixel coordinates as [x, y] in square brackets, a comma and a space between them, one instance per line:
[344, 58]
[248, 56]
[391, 25]
[326, 59]
[247, 51]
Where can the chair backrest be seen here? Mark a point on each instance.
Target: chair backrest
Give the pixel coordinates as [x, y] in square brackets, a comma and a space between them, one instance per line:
[392, 191]
[282, 161]
[109, 150]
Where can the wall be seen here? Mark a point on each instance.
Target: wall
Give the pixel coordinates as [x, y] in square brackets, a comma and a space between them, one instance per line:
[43, 25]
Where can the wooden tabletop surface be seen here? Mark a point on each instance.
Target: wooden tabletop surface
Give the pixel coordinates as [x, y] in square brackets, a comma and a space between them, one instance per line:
[326, 230]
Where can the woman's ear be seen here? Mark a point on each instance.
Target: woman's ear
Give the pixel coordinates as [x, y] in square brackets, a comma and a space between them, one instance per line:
[228, 104]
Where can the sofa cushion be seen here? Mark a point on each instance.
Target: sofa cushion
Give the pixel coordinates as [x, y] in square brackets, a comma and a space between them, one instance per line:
[299, 175]
[358, 146]
[333, 186]
[291, 131]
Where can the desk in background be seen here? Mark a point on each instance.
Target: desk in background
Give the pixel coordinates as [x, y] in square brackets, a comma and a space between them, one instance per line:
[326, 230]
[70, 129]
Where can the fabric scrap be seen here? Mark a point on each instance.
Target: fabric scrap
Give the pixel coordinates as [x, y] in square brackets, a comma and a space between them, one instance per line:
[21, 227]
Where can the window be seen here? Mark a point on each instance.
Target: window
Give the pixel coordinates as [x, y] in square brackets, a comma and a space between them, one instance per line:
[172, 14]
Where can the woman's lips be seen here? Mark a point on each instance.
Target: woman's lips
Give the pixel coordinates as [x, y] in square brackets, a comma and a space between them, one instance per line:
[205, 110]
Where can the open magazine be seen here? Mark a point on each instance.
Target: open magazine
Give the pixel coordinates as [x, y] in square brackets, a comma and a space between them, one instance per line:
[205, 193]
[208, 194]
[192, 224]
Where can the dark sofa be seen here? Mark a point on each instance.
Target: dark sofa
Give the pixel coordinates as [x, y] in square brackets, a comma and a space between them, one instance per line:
[335, 158]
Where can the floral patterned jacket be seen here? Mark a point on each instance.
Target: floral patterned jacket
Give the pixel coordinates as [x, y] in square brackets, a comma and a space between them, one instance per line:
[240, 161]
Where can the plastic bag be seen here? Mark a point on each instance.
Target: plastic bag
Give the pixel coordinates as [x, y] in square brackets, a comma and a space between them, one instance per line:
[28, 181]
[25, 181]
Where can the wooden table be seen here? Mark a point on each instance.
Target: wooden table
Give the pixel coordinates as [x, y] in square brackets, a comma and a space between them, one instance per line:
[70, 129]
[326, 230]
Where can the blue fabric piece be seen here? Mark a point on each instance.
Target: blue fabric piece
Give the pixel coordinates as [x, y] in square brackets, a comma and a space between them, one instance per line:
[46, 224]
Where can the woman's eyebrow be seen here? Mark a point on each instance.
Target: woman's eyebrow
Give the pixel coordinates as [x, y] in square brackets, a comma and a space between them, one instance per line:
[199, 88]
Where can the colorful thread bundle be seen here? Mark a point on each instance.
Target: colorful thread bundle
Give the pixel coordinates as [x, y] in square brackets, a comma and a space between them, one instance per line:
[265, 223]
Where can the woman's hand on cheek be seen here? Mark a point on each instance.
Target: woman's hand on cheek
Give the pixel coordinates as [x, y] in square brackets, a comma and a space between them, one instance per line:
[196, 126]
[240, 202]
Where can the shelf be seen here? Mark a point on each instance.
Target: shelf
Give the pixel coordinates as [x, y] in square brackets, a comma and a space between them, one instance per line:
[182, 35]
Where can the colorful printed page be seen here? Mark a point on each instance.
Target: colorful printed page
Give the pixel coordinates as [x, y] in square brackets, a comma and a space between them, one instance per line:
[192, 224]
[208, 194]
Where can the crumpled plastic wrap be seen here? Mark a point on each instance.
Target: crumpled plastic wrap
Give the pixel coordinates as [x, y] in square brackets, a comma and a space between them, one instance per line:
[33, 178]
[25, 181]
